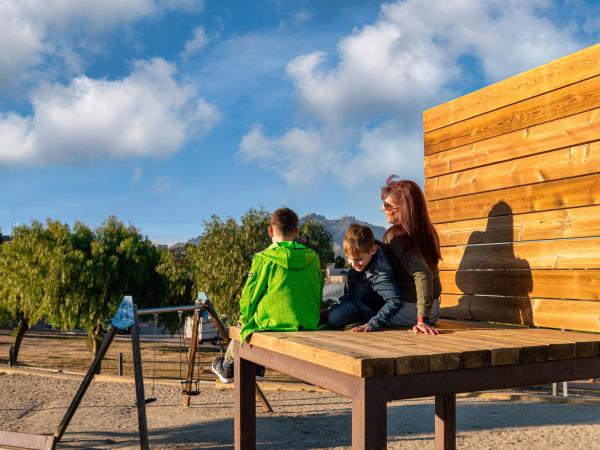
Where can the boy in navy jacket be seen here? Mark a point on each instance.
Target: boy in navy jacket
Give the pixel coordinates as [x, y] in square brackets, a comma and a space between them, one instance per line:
[370, 295]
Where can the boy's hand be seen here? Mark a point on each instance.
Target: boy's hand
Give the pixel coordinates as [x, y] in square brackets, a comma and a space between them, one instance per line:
[362, 329]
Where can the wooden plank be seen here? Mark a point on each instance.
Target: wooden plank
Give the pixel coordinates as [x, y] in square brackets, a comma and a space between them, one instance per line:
[501, 353]
[567, 314]
[368, 351]
[567, 284]
[564, 132]
[422, 353]
[557, 254]
[555, 165]
[566, 101]
[342, 360]
[567, 70]
[9, 439]
[513, 349]
[570, 193]
[557, 224]
[557, 348]
[587, 345]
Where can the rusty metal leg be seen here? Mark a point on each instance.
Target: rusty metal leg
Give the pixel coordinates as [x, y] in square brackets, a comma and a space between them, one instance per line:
[87, 380]
[139, 383]
[445, 422]
[245, 404]
[369, 418]
[189, 379]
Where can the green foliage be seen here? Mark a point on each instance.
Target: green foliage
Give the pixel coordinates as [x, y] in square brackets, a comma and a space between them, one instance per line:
[314, 235]
[176, 269]
[76, 279]
[339, 262]
[121, 262]
[223, 257]
[24, 271]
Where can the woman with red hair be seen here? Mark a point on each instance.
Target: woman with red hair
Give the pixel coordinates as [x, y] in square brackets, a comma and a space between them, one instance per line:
[412, 245]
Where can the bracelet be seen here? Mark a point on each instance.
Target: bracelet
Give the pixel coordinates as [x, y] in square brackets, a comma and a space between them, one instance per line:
[423, 319]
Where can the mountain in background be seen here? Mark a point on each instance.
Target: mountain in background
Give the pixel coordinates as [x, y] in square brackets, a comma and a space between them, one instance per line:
[337, 228]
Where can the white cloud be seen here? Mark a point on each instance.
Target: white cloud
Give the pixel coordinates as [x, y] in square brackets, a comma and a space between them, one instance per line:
[196, 43]
[136, 176]
[299, 155]
[411, 53]
[34, 29]
[146, 113]
[388, 72]
[161, 185]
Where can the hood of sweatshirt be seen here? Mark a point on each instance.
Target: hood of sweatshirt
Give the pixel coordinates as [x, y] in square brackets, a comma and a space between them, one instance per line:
[289, 254]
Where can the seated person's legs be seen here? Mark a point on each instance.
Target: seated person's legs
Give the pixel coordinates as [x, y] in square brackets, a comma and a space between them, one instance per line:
[407, 316]
[345, 313]
[222, 366]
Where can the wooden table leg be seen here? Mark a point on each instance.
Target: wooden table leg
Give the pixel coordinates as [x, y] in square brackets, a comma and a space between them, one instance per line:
[445, 422]
[369, 418]
[245, 403]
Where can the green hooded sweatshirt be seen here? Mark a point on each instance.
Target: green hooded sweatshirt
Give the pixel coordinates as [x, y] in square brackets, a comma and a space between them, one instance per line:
[283, 290]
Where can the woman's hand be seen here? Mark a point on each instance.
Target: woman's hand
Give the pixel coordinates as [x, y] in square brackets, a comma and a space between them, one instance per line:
[362, 329]
[423, 328]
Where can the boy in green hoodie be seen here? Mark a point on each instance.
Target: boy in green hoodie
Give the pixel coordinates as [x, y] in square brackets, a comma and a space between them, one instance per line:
[283, 290]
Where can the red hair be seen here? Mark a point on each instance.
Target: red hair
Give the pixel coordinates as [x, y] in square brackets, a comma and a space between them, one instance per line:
[410, 221]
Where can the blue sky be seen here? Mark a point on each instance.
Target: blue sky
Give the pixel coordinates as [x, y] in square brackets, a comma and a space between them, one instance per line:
[165, 113]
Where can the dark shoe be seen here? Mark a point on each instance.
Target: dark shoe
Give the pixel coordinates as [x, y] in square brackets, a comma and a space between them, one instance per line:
[260, 373]
[223, 370]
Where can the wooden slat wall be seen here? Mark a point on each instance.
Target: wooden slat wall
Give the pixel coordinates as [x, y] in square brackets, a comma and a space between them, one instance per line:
[512, 180]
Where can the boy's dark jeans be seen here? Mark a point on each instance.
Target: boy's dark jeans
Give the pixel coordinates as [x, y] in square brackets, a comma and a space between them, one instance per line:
[347, 311]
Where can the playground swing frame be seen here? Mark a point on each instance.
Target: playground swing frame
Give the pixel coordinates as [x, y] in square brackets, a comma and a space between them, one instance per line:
[127, 318]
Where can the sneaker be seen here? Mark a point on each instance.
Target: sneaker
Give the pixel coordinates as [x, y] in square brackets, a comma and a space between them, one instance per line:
[260, 373]
[223, 370]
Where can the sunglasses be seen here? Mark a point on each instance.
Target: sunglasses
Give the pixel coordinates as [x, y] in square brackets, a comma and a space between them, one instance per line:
[389, 207]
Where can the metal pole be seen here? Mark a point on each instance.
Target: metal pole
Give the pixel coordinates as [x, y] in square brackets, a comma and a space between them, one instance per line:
[168, 309]
[565, 389]
[10, 356]
[120, 364]
[554, 389]
[139, 384]
[89, 376]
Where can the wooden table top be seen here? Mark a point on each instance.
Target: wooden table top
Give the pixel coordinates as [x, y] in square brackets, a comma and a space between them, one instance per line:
[461, 345]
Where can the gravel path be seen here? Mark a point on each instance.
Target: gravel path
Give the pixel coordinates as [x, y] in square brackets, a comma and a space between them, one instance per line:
[107, 419]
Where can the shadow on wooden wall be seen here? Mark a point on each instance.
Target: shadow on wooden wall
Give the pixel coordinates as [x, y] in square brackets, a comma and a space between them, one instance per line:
[494, 282]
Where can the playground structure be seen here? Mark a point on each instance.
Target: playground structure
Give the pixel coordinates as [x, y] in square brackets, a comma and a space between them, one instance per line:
[126, 320]
[512, 182]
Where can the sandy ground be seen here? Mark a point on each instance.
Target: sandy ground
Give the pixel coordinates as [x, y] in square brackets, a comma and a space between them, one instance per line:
[303, 419]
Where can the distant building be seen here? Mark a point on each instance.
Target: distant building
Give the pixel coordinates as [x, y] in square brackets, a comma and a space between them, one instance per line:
[335, 275]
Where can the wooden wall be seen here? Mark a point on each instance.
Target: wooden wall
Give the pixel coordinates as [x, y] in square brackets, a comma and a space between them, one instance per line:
[512, 180]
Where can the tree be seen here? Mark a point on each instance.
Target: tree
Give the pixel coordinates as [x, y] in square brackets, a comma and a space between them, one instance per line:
[314, 235]
[339, 262]
[176, 269]
[221, 260]
[121, 262]
[224, 255]
[24, 271]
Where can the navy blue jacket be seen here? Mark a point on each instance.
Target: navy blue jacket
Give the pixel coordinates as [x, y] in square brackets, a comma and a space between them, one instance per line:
[374, 290]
